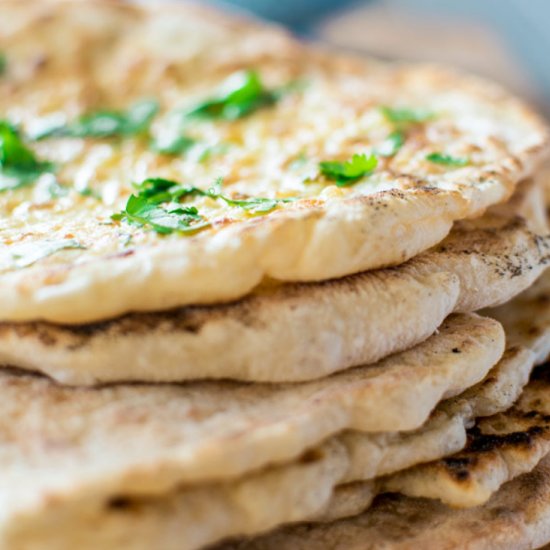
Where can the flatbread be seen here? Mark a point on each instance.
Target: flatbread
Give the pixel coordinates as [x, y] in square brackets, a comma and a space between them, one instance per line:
[133, 511]
[206, 431]
[374, 455]
[313, 487]
[73, 264]
[297, 332]
[517, 517]
[499, 449]
[527, 318]
[140, 507]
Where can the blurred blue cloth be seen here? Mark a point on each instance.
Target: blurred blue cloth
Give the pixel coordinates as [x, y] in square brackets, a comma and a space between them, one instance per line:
[300, 15]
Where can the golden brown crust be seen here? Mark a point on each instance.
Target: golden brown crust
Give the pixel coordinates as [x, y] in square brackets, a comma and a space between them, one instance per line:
[406, 207]
[310, 330]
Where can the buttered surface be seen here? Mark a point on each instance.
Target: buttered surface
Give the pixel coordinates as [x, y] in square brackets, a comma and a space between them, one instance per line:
[62, 63]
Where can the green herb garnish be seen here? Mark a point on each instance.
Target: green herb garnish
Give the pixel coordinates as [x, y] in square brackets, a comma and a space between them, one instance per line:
[3, 64]
[447, 160]
[145, 207]
[26, 254]
[102, 124]
[174, 146]
[142, 212]
[241, 94]
[392, 144]
[349, 172]
[158, 190]
[18, 164]
[254, 205]
[406, 116]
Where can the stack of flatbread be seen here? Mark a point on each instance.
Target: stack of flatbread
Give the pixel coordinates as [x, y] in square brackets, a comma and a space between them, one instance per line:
[254, 294]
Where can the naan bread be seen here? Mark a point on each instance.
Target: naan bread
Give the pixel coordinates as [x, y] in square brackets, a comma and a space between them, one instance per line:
[307, 488]
[206, 431]
[58, 488]
[297, 332]
[141, 507]
[527, 318]
[374, 455]
[517, 517]
[499, 449]
[73, 264]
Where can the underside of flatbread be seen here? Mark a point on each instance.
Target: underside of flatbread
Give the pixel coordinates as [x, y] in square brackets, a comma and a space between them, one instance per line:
[141, 515]
[499, 448]
[315, 487]
[310, 226]
[163, 435]
[517, 517]
[527, 318]
[134, 497]
[299, 332]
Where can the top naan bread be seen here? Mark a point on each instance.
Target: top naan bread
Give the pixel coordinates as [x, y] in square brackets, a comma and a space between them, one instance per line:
[285, 110]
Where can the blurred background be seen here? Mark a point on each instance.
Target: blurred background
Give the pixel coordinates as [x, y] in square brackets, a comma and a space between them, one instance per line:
[507, 40]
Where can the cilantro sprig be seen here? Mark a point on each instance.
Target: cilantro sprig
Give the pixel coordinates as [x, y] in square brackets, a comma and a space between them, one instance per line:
[240, 95]
[349, 172]
[107, 123]
[19, 165]
[447, 160]
[142, 212]
[146, 208]
[253, 205]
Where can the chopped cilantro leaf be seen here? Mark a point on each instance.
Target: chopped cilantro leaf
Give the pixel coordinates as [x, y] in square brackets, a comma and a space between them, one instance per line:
[254, 205]
[349, 172]
[241, 94]
[406, 116]
[18, 164]
[142, 212]
[391, 145]
[145, 207]
[102, 124]
[3, 64]
[447, 160]
[158, 190]
[140, 116]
